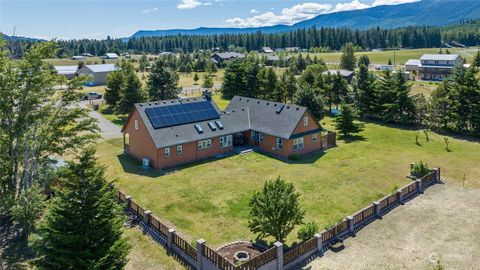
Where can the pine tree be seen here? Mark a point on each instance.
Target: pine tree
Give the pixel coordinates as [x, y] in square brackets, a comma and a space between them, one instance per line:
[307, 96]
[290, 86]
[476, 60]
[207, 80]
[364, 92]
[233, 79]
[339, 89]
[133, 93]
[345, 124]
[162, 82]
[115, 85]
[348, 60]
[82, 228]
[196, 78]
[364, 60]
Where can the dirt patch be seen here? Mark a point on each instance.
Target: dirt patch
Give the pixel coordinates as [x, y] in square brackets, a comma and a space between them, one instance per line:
[442, 223]
[228, 251]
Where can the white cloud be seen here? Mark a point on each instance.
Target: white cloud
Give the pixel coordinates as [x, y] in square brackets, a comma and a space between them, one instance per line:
[305, 11]
[149, 10]
[254, 11]
[189, 4]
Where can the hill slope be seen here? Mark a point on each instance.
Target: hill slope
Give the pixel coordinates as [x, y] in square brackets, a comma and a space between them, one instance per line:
[426, 12]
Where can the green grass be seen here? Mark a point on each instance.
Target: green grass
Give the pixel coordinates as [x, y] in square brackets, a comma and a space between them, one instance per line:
[210, 199]
[107, 112]
[381, 57]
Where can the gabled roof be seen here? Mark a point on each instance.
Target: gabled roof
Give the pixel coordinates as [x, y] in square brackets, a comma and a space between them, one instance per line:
[413, 62]
[111, 55]
[66, 70]
[342, 72]
[263, 116]
[440, 57]
[228, 55]
[267, 50]
[101, 67]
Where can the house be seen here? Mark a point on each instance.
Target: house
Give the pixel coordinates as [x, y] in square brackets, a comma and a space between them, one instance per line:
[412, 65]
[110, 56]
[68, 71]
[78, 57]
[384, 67]
[436, 67]
[97, 73]
[266, 50]
[173, 132]
[346, 74]
[293, 49]
[226, 56]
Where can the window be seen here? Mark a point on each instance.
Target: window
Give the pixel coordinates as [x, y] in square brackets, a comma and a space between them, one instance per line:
[253, 135]
[279, 143]
[315, 137]
[298, 143]
[166, 152]
[136, 124]
[205, 144]
[179, 149]
[260, 137]
[305, 121]
[225, 141]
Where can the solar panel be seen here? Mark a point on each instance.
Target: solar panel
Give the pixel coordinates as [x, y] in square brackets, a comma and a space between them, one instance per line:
[179, 114]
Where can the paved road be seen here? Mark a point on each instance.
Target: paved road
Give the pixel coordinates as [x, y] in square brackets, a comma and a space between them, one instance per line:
[108, 130]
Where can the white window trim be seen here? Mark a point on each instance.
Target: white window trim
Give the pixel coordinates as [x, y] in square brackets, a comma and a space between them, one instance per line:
[252, 135]
[135, 124]
[181, 149]
[279, 143]
[226, 141]
[315, 137]
[205, 144]
[305, 121]
[260, 137]
[166, 152]
[298, 143]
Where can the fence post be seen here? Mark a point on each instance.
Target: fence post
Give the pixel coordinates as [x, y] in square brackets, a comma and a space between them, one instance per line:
[350, 224]
[399, 195]
[437, 174]
[376, 205]
[318, 236]
[128, 199]
[148, 214]
[419, 186]
[171, 231]
[279, 247]
[200, 246]
[411, 167]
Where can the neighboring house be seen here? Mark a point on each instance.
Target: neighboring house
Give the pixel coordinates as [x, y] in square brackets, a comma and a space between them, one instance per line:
[174, 132]
[274, 59]
[266, 50]
[384, 67]
[434, 67]
[110, 56]
[97, 73]
[68, 71]
[346, 74]
[226, 56]
[293, 49]
[78, 57]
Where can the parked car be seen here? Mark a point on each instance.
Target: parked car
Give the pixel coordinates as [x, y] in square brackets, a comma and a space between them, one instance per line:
[92, 95]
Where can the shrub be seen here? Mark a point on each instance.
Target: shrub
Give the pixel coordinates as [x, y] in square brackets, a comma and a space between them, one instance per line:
[420, 169]
[294, 157]
[307, 231]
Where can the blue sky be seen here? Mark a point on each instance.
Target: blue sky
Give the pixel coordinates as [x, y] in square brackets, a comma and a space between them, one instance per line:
[66, 19]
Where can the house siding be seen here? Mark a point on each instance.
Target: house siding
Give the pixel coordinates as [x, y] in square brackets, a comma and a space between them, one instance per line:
[140, 143]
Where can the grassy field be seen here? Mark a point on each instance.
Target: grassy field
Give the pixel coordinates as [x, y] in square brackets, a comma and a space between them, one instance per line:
[210, 199]
[381, 57]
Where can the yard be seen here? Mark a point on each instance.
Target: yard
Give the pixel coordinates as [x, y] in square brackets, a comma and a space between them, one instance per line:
[210, 200]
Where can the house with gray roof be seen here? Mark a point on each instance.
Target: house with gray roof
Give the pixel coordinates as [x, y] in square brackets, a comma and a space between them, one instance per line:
[434, 67]
[169, 133]
[68, 71]
[97, 73]
[226, 56]
[346, 74]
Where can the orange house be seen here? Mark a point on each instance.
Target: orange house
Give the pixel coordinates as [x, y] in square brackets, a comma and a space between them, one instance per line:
[174, 132]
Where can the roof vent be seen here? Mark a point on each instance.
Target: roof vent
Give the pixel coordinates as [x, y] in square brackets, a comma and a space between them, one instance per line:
[248, 100]
[288, 107]
[212, 126]
[219, 124]
[164, 102]
[298, 108]
[274, 105]
[199, 128]
[141, 105]
[240, 99]
[243, 109]
[149, 104]
[279, 109]
[258, 102]
[268, 103]
[156, 103]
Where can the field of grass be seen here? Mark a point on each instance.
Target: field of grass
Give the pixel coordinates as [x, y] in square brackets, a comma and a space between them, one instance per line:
[381, 57]
[210, 199]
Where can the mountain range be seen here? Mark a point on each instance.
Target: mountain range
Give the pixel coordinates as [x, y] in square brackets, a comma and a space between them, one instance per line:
[425, 12]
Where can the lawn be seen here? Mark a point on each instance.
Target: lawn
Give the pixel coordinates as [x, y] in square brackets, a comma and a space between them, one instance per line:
[210, 199]
[381, 57]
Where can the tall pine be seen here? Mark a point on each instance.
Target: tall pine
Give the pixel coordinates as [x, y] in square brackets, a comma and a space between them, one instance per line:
[82, 228]
[162, 82]
[133, 93]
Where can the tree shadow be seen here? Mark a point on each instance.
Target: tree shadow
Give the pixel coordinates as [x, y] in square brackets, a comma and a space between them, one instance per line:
[15, 250]
[352, 138]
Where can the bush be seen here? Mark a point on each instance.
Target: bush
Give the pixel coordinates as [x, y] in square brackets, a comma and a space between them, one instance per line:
[420, 169]
[307, 231]
[294, 157]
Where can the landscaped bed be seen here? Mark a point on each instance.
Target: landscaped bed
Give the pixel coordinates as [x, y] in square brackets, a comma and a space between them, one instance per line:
[210, 200]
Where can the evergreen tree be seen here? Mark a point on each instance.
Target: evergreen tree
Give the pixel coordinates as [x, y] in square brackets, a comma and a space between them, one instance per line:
[143, 63]
[307, 96]
[233, 79]
[348, 60]
[345, 124]
[115, 85]
[207, 80]
[133, 93]
[196, 78]
[395, 102]
[476, 60]
[267, 82]
[290, 86]
[162, 82]
[364, 60]
[364, 92]
[339, 89]
[82, 228]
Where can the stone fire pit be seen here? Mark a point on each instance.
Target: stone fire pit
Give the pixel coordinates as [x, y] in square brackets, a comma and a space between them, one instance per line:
[241, 256]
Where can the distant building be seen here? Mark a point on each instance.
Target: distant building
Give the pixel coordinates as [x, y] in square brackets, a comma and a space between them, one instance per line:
[434, 67]
[87, 54]
[273, 59]
[110, 56]
[293, 49]
[68, 71]
[226, 56]
[78, 57]
[346, 74]
[266, 50]
[97, 73]
[384, 67]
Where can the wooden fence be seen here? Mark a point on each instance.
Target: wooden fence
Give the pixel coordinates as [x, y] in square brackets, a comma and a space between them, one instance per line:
[185, 246]
[299, 250]
[257, 261]
[217, 259]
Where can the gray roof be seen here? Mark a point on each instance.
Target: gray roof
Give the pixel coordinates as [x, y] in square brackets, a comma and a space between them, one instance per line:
[111, 55]
[102, 67]
[66, 70]
[440, 57]
[228, 55]
[413, 62]
[263, 117]
[343, 72]
[233, 122]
